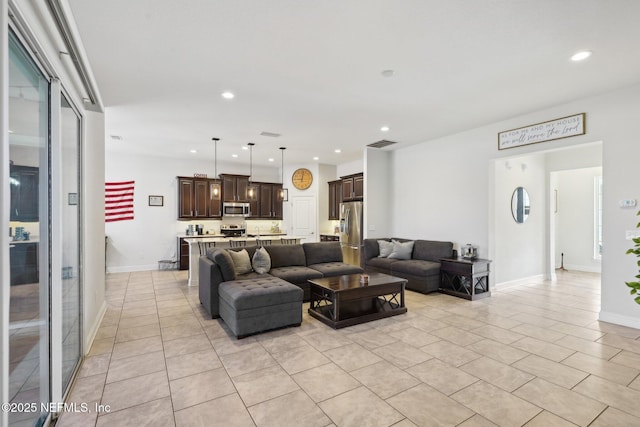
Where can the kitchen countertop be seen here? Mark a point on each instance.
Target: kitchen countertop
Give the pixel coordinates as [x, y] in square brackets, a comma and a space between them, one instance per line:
[204, 238]
[251, 235]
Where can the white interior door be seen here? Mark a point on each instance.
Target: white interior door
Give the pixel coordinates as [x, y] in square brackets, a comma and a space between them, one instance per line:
[304, 221]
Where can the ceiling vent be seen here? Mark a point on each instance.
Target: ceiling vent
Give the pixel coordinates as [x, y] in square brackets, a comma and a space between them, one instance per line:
[381, 144]
[116, 137]
[271, 134]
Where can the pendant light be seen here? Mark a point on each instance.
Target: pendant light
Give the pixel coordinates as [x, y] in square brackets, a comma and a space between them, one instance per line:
[282, 189]
[251, 191]
[215, 186]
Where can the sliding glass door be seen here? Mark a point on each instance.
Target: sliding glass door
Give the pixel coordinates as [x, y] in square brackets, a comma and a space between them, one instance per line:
[70, 134]
[29, 327]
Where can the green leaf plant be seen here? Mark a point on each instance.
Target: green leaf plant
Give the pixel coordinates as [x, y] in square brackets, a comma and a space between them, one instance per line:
[635, 286]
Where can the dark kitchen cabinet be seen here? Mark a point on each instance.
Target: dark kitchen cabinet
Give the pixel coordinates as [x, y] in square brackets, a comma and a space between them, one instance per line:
[335, 198]
[196, 199]
[235, 188]
[24, 263]
[24, 193]
[270, 201]
[353, 187]
[183, 254]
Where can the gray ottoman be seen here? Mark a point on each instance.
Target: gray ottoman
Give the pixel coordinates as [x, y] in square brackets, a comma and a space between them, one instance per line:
[255, 305]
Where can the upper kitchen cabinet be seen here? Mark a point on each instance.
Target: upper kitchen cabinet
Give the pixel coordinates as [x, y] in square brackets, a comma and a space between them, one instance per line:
[270, 201]
[215, 200]
[335, 198]
[24, 193]
[352, 187]
[196, 199]
[234, 188]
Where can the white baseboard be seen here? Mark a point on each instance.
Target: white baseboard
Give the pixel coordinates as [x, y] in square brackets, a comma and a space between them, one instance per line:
[516, 282]
[94, 328]
[130, 268]
[631, 322]
[585, 268]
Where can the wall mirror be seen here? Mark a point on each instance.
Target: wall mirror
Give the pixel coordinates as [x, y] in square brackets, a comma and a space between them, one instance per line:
[520, 205]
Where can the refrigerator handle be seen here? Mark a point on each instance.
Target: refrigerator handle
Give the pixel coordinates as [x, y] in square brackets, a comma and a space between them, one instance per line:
[347, 225]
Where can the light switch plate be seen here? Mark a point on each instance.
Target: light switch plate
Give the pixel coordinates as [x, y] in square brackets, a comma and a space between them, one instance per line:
[632, 234]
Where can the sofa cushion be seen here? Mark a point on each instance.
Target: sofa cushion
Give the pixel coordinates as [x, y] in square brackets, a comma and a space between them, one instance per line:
[416, 267]
[261, 261]
[259, 292]
[332, 269]
[241, 261]
[402, 250]
[222, 258]
[319, 252]
[430, 250]
[382, 263]
[286, 255]
[385, 248]
[295, 273]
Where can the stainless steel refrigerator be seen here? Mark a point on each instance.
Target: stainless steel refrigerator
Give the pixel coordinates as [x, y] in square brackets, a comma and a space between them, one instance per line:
[351, 231]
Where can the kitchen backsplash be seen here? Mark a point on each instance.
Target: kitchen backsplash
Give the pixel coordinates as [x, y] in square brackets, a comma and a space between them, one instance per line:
[252, 226]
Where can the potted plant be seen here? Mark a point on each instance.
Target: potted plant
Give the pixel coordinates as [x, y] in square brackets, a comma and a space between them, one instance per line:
[635, 286]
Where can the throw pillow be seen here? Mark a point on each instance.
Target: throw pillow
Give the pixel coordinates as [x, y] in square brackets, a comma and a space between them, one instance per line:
[401, 250]
[241, 261]
[385, 248]
[261, 261]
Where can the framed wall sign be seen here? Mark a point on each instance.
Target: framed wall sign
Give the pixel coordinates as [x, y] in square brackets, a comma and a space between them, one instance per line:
[156, 200]
[563, 127]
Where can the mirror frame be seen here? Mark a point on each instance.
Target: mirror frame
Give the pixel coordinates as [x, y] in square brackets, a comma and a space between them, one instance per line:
[520, 205]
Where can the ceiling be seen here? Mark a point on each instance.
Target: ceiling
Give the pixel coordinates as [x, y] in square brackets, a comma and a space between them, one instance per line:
[311, 70]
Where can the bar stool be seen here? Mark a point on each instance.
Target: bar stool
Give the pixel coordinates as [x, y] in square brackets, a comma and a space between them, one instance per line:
[237, 243]
[203, 246]
[286, 241]
[263, 242]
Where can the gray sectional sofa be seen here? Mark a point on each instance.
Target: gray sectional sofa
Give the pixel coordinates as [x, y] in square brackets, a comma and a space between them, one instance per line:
[422, 271]
[252, 302]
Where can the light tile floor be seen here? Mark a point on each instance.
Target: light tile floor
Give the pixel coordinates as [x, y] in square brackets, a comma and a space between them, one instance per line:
[533, 354]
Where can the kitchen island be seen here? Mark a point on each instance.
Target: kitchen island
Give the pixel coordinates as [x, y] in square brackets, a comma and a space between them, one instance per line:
[199, 244]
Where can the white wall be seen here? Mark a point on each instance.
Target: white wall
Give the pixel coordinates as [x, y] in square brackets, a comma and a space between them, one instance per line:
[519, 247]
[575, 219]
[152, 235]
[441, 187]
[377, 172]
[93, 229]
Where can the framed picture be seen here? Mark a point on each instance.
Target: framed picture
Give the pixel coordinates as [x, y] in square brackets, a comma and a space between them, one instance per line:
[156, 200]
[73, 198]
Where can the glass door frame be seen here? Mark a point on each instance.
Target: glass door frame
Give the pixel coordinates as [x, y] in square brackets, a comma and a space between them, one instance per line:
[51, 277]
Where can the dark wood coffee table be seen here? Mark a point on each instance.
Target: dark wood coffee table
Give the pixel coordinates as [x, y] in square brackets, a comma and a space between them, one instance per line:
[345, 301]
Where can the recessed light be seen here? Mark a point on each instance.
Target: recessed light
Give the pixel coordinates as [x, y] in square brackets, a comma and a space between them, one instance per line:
[384, 128]
[193, 151]
[228, 95]
[387, 73]
[270, 159]
[10, 131]
[244, 147]
[234, 156]
[581, 56]
[316, 158]
[337, 150]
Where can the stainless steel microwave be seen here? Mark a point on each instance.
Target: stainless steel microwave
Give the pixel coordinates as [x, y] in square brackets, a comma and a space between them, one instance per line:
[236, 209]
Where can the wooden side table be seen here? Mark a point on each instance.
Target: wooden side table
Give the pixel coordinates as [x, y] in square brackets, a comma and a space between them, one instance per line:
[465, 278]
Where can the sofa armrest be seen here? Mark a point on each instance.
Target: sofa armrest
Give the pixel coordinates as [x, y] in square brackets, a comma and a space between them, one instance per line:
[209, 277]
[371, 249]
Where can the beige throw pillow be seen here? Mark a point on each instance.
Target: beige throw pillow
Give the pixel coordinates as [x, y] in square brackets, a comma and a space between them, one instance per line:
[385, 248]
[241, 261]
[402, 250]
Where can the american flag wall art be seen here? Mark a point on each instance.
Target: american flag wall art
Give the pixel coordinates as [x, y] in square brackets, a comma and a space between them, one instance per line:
[118, 200]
